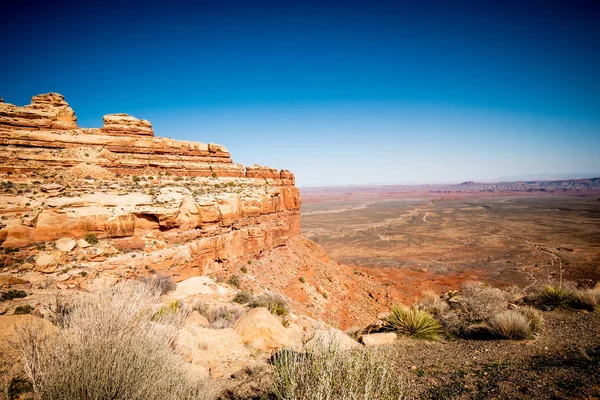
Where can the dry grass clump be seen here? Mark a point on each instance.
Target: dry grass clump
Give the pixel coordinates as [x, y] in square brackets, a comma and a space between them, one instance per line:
[516, 324]
[275, 303]
[413, 322]
[220, 317]
[111, 347]
[328, 372]
[432, 303]
[586, 299]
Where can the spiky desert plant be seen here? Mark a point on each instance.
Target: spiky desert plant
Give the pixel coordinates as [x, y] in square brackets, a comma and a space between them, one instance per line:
[412, 322]
[555, 298]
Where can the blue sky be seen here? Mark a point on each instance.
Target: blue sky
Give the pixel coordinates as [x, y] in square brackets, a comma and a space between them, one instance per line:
[338, 92]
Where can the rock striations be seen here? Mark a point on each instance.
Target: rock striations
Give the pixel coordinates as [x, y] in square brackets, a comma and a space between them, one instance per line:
[185, 205]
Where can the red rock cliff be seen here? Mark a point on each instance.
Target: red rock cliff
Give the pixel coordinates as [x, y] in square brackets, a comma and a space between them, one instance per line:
[186, 204]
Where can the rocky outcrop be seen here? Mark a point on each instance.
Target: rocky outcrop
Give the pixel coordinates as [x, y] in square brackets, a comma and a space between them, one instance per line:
[184, 201]
[46, 111]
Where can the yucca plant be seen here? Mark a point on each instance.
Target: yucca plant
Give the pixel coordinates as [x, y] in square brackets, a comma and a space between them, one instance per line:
[555, 298]
[413, 322]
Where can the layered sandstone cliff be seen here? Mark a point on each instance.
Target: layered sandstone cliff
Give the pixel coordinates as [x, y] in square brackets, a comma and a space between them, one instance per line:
[184, 205]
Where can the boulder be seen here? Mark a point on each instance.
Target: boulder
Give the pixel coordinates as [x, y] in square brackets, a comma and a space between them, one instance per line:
[65, 244]
[9, 281]
[46, 263]
[379, 339]
[261, 330]
[332, 337]
[196, 319]
[83, 243]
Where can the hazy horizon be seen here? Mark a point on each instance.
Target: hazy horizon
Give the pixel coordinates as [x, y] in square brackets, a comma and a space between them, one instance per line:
[340, 93]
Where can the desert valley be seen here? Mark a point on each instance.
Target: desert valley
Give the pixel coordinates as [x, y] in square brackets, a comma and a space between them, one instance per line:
[238, 285]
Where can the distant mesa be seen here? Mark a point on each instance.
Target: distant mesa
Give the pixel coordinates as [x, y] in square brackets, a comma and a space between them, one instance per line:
[468, 183]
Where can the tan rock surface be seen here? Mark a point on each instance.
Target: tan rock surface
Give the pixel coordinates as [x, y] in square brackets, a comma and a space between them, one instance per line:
[379, 339]
[262, 331]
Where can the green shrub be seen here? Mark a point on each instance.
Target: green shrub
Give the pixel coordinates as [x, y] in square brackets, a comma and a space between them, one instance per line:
[413, 322]
[301, 279]
[555, 298]
[234, 281]
[242, 297]
[244, 269]
[21, 310]
[275, 303]
[327, 372]
[91, 238]
[12, 294]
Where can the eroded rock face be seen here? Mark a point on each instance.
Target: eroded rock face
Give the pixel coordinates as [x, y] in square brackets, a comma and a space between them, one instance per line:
[46, 111]
[123, 124]
[185, 205]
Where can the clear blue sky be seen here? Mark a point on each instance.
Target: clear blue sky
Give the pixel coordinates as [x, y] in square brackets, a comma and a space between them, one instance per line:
[338, 92]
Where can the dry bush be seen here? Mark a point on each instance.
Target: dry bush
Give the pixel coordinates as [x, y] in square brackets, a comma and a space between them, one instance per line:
[111, 347]
[481, 302]
[432, 303]
[328, 372]
[160, 283]
[275, 303]
[413, 322]
[220, 317]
